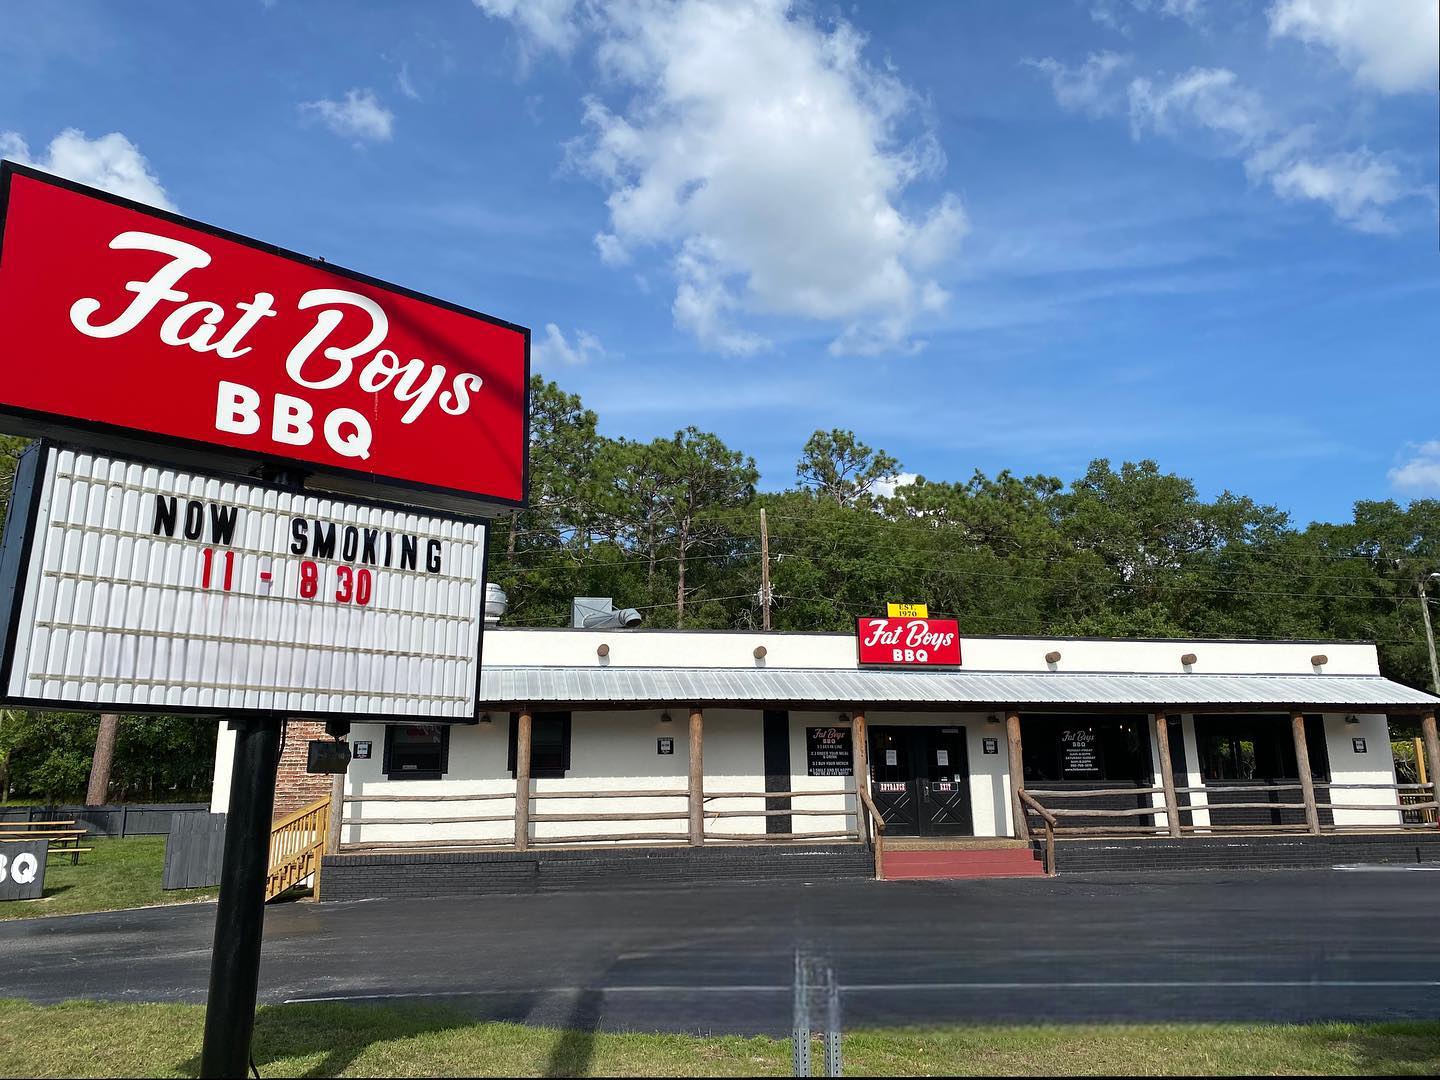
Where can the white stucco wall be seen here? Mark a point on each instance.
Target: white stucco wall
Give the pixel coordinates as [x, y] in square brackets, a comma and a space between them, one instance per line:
[1375, 766]
[705, 648]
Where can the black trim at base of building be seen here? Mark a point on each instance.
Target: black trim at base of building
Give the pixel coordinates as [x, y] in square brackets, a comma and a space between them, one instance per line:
[1297, 852]
[468, 873]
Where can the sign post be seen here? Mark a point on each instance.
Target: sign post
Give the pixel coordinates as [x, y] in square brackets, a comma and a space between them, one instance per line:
[149, 563]
[240, 913]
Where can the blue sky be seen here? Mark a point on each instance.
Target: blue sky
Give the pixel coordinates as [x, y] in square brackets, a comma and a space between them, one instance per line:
[991, 234]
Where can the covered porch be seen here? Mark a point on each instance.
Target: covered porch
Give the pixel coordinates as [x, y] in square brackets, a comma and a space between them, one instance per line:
[735, 798]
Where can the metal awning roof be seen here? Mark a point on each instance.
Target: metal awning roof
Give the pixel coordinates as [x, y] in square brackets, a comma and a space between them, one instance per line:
[536, 685]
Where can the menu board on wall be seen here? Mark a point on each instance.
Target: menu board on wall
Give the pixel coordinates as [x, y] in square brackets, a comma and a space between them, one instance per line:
[827, 751]
[1079, 754]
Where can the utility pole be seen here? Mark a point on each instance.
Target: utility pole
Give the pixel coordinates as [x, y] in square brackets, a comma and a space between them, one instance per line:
[765, 574]
[1429, 633]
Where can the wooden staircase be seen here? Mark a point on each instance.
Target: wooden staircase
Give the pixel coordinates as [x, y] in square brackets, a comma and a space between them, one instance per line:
[296, 843]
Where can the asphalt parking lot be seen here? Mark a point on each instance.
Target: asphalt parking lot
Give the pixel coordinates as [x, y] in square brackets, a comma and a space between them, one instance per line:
[1283, 946]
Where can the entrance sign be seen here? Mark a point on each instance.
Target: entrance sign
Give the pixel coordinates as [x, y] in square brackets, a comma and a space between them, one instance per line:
[827, 752]
[144, 588]
[124, 322]
[1079, 754]
[908, 611]
[909, 642]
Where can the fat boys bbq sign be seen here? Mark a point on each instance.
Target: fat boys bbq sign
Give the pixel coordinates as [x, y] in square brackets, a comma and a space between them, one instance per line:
[905, 642]
[121, 320]
[148, 570]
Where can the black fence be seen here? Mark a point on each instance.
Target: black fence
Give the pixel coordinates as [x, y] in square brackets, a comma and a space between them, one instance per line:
[194, 851]
[114, 822]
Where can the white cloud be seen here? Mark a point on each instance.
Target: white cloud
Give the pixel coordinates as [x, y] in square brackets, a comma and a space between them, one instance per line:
[359, 116]
[556, 351]
[766, 160]
[1422, 472]
[1085, 86]
[1117, 14]
[1387, 44]
[1209, 98]
[1358, 186]
[886, 488]
[112, 163]
[544, 24]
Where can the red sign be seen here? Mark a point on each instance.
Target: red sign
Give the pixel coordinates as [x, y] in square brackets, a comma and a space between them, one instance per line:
[909, 642]
[118, 320]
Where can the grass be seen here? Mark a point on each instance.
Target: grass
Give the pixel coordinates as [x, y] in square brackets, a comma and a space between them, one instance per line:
[116, 874]
[111, 1039]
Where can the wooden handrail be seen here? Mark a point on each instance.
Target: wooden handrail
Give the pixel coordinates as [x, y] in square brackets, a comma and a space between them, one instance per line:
[876, 831]
[1029, 800]
[774, 794]
[1046, 816]
[297, 842]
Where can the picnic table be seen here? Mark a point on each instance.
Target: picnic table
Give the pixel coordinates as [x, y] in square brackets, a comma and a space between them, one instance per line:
[63, 836]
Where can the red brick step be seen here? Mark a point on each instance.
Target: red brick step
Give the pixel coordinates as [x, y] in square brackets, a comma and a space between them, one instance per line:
[1010, 862]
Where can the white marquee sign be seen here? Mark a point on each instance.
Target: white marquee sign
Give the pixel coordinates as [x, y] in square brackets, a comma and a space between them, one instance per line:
[149, 588]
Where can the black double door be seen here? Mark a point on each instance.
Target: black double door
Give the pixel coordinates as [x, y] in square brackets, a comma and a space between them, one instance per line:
[920, 780]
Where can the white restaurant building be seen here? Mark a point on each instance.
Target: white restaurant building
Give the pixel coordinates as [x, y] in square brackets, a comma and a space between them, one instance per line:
[656, 737]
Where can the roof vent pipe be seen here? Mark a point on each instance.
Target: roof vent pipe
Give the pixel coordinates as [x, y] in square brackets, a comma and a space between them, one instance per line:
[495, 603]
[600, 613]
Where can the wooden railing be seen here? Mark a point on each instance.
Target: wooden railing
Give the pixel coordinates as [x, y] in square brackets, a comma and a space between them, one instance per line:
[873, 829]
[1050, 821]
[844, 811]
[675, 807]
[1408, 798]
[297, 841]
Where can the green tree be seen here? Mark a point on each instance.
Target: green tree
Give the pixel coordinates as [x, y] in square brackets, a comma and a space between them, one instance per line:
[838, 466]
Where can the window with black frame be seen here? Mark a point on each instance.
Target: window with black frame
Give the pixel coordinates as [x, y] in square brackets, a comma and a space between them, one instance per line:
[549, 744]
[417, 751]
[1085, 748]
[1257, 747]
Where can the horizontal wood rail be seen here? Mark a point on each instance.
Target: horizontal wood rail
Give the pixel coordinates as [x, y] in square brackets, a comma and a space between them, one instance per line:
[775, 794]
[431, 798]
[1048, 818]
[662, 793]
[464, 819]
[1407, 798]
[296, 843]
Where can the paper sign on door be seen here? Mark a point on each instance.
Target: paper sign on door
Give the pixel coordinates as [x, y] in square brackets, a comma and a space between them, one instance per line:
[942, 757]
[891, 758]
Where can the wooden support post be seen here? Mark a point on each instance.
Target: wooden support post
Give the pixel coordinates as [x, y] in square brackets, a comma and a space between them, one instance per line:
[860, 756]
[522, 780]
[337, 813]
[1017, 775]
[1432, 758]
[697, 776]
[1302, 765]
[1167, 773]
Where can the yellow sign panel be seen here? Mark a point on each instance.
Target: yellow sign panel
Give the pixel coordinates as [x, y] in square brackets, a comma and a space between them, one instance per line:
[907, 611]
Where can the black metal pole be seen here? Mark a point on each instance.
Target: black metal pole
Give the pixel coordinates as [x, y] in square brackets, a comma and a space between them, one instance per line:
[240, 916]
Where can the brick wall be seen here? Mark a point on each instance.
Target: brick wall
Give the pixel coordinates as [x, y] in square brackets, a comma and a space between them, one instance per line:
[294, 787]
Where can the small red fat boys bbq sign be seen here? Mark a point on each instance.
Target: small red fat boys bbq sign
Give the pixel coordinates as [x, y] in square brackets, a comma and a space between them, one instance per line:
[909, 642]
[123, 321]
